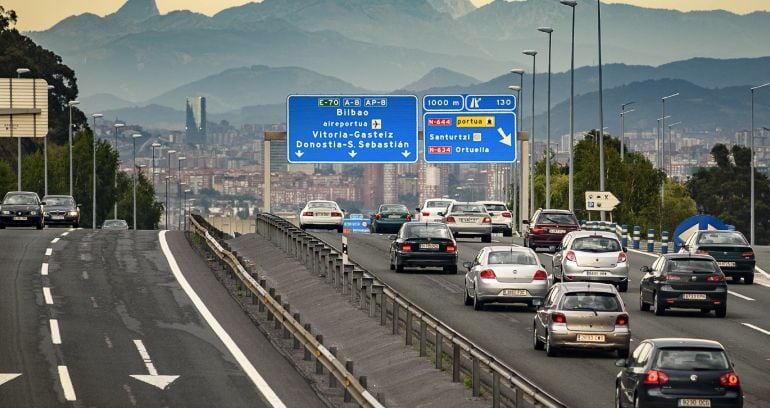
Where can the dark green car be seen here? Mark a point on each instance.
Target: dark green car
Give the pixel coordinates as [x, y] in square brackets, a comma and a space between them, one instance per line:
[390, 218]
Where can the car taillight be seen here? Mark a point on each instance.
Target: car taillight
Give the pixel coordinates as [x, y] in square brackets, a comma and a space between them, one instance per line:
[621, 320]
[570, 256]
[506, 214]
[540, 275]
[336, 214]
[701, 252]
[748, 255]
[307, 214]
[558, 318]
[715, 278]
[487, 274]
[450, 219]
[538, 231]
[451, 248]
[622, 257]
[486, 220]
[379, 216]
[425, 214]
[406, 246]
[408, 216]
[730, 380]
[655, 377]
[670, 278]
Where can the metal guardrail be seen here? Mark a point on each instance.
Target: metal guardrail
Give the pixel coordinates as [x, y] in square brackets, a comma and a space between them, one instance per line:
[507, 386]
[323, 355]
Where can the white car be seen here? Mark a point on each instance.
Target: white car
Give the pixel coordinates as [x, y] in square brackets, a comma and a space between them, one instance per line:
[502, 218]
[431, 209]
[321, 214]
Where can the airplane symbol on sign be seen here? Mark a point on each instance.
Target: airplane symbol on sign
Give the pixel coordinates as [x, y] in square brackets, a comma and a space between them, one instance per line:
[475, 103]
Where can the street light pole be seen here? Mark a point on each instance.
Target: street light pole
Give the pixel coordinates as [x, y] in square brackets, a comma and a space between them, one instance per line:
[133, 171]
[19, 71]
[601, 106]
[663, 147]
[180, 159]
[515, 165]
[116, 126]
[154, 146]
[572, 4]
[623, 112]
[549, 31]
[670, 166]
[751, 146]
[533, 54]
[186, 207]
[71, 104]
[45, 155]
[182, 186]
[168, 176]
[93, 176]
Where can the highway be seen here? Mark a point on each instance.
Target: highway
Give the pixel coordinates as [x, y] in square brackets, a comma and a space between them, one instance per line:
[580, 379]
[106, 319]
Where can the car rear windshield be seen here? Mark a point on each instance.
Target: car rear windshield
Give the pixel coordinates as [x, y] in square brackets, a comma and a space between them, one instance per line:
[552, 218]
[596, 244]
[730, 238]
[21, 199]
[426, 231]
[321, 205]
[437, 204]
[393, 208]
[691, 265]
[691, 359]
[59, 201]
[511, 258]
[591, 301]
[495, 207]
[468, 208]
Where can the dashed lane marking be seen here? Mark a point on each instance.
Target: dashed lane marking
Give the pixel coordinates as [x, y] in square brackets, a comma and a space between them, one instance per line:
[44, 269]
[759, 329]
[47, 296]
[66, 384]
[55, 335]
[48, 252]
[55, 240]
[744, 297]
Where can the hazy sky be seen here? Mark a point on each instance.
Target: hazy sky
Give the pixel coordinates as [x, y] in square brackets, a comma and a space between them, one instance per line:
[42, 14]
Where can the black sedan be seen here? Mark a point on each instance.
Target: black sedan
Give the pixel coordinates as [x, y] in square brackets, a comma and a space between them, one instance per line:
[21, 209]
[731, 250]
[423, 244]
[685, 281]
[61, 210]
[678, 373]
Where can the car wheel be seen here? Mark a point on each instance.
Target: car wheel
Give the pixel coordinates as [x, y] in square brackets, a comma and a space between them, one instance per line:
[637, 403]
[452, 269]
[477, 304]
[617, 396]
[339, 229]
[399, 266]
[508, 232]
[40, 225]
[486, 238]
[536, 342]
[2, 226]
[660, 309]
[75, 225]
[721, 311]
[550, 350]
[643, 306]
[390, 259]
[748, 278]
[623, 286]
[468, 299]
[302, 227]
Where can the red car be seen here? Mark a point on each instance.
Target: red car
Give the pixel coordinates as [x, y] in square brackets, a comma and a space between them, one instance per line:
[547, 227]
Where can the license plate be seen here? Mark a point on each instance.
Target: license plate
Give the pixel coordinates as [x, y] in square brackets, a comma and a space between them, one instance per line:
[689, 402]
[322, 214]
[20, 218]
[557, 231]
[468, 220]
[726, 264]
[57, 217]
[596, 273]
[694, 296]
[515, 292]
[429, 246]
[394, 216]
[591, 338]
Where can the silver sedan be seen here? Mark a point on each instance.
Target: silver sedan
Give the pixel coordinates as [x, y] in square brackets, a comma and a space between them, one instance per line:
[505, 274]
[591, 256]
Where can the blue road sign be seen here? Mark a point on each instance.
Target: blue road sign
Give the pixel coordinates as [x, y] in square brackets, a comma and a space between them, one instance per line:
[469, 137]
[351, 129]
[693, 224]
[502, 103]
[443, 103]
[355, 226]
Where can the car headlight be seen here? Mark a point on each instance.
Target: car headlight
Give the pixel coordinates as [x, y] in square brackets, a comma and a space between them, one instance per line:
[6, 212]
[73, 213]
[33, 212]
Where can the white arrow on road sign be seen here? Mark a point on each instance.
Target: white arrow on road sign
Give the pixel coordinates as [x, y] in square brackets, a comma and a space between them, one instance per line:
[160, 381]
[299, 153]
[506, 139]
[406, 153]
[353, 154]
[4, 378]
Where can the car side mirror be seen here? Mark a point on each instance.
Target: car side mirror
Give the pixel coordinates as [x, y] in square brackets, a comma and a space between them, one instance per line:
[645, 269]
[392, 237]
[621, 363]
[467, 265]
[625, 249]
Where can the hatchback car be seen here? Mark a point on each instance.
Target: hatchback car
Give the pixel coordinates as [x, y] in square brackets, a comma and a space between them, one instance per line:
[731, 250]
[61, 210]
[502, 218]
[548, 227]
[505, 274]
[684, 281]
[582, 315]
[468, 219]
[21, 209]
[390, 217]
[321, 214]
[678, 373]
[431, 208]
[591, 256]
[423, 244]
[117, 225]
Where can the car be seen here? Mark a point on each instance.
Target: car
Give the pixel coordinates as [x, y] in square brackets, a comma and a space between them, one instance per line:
[115, 224]
[684, 281]
[321, 214]
[547, 227]
[678, 372]
[431, 208]
[582, 315]
[468, 219]
[390, 217]
[505, 274]
[61, 210]
[591, 256]
[502, 218]
[423, 244]
[21, 209]
[731, 249]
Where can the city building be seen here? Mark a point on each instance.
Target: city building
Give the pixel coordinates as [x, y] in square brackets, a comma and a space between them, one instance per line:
[195, 124]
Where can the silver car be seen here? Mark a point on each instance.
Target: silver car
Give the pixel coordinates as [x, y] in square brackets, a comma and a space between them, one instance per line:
[505, 274]
[591, 256]
[502, 218]
[582, 315]
[468, 219]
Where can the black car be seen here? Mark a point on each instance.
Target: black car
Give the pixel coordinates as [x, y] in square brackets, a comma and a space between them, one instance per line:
[685, 281]
[21, 209]
[678, 373]
[61, 210]
[731, 250]
[423, 244]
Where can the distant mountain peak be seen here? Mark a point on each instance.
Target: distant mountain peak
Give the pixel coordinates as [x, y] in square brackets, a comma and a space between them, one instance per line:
[138, 10]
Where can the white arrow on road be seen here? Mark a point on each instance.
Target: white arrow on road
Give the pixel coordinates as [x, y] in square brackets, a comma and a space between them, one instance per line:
[160, 381]
[299, 153]
[353, 154]
[4, 378]
[506, 139]
[406, 153]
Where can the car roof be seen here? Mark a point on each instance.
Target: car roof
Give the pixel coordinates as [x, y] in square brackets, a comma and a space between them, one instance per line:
[506, 248]
[440, 224]
[586, 287]
[322, 201]
[492, 202]
[555, 210]
[584, 233]
[687, 255]
[22, 192]
[58, 196]
[687, 342]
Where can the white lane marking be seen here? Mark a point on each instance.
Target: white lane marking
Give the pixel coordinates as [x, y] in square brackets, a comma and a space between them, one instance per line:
[66, 384]
[767, 285]
[744, 297]
[64, 234]
[4, 378]
[44, 269]
[235, 351]
[762, 271]
[55, 240]
[55, 336]
[145, 357]
[85, 275]
[47, 296]
[108, 341]
[93, 303]
[759, 329]
[48, 252]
